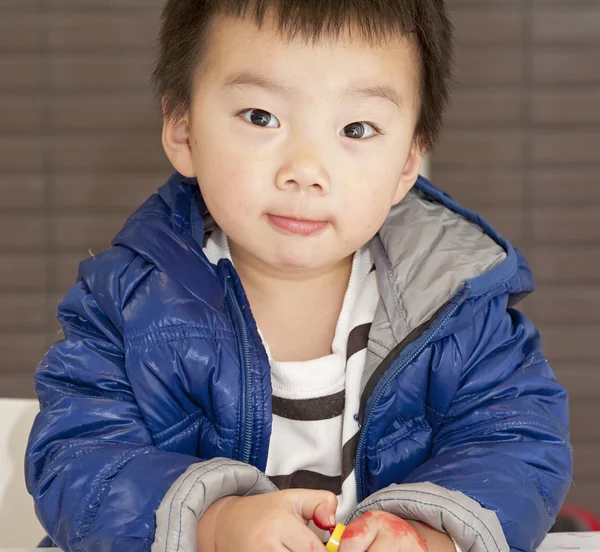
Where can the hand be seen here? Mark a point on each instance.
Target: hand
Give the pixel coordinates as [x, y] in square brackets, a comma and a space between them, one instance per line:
[382, 532]
[269, 522]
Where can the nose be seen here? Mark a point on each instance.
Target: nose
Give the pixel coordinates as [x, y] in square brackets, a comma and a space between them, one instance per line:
[304, 172]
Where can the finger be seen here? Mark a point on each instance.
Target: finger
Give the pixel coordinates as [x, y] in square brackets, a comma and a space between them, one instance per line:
[402, 531]
[299, 538]
[379, 526]
[324, 514]
[359, 535]
[318, 506]
[386, 542]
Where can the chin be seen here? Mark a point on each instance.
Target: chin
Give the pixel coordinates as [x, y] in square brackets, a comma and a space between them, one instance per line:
[290, 261]
[295, 264]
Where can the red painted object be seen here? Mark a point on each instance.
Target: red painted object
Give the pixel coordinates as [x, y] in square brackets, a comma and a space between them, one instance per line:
[575, 518]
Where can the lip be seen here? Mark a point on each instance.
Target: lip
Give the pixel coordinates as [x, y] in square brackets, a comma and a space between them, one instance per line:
[297, 226]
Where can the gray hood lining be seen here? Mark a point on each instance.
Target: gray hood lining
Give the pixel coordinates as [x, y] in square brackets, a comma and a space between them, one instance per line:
[423, 254]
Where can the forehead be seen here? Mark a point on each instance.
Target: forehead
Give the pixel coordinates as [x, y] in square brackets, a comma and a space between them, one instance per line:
[237, 44]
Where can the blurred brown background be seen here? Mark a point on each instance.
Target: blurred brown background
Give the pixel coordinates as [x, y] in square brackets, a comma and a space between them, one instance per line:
[80, 149]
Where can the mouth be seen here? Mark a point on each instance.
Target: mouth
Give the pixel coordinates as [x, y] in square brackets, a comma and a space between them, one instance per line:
[292, 225]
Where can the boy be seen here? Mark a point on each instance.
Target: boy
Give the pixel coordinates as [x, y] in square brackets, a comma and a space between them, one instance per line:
[362, 363]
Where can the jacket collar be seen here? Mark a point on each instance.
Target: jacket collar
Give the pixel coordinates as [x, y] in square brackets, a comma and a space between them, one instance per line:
[428, 250]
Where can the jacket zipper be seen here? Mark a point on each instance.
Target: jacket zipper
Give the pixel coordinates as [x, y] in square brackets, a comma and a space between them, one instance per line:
[447, 312]
[248, 380]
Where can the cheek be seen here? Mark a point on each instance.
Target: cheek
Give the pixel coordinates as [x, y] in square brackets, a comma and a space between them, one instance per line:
[222, 178]
[230, 196]
[218, 159]
[369, 206]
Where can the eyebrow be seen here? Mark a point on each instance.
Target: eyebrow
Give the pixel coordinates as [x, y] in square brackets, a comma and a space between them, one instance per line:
[381, 91]
[250, 79]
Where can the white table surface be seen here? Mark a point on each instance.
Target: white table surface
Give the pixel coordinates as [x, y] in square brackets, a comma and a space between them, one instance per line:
[554, 542]
[584, 542]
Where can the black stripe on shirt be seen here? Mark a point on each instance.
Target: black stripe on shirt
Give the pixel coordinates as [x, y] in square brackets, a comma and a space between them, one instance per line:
[306, 479]
[307, 410]
[358, 339]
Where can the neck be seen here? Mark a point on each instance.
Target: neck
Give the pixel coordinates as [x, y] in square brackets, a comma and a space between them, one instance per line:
[288, 303]
[270, 283]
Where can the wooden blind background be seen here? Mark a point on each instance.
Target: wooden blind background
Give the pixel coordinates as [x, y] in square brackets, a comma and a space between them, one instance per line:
[80, 149]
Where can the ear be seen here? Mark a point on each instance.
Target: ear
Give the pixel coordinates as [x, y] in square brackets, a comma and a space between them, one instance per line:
[409, 174]
[176, 141]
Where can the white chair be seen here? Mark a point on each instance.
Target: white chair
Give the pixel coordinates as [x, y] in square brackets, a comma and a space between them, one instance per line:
[19, 527]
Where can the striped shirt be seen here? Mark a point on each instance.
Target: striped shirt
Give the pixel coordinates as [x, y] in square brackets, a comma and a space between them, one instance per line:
[315, 402]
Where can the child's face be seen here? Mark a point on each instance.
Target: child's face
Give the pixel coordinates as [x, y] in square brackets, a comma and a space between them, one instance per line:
[269, 135]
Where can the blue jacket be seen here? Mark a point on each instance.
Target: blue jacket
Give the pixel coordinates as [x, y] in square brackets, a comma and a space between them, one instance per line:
[161, 366]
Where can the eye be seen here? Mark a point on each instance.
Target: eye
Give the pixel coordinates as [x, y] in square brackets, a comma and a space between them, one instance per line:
[260, 117]
[360, 131]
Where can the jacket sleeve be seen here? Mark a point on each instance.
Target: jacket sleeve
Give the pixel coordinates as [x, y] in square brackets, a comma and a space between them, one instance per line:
[98, 481]
[501, 449]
